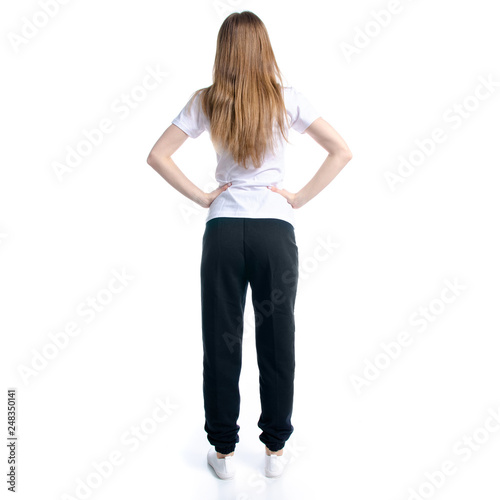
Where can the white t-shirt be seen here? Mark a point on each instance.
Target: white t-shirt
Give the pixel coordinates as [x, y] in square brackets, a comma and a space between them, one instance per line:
[248, 196]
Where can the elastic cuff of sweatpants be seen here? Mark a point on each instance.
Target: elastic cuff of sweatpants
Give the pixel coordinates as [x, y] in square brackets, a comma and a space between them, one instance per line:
[225, 450]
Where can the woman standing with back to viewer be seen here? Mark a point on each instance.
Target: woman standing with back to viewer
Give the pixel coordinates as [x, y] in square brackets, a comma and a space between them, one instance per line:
[249, 233]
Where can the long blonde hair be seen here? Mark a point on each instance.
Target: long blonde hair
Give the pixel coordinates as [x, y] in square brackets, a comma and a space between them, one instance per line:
[245, 99]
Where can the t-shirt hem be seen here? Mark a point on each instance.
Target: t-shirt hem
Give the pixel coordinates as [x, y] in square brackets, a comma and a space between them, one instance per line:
[182, 127]
[310, 123]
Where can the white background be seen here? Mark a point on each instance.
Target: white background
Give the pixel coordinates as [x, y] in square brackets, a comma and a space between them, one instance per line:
[61, 238]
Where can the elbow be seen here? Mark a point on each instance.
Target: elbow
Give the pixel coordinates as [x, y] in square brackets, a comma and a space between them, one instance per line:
[152, 159]
[346, 154]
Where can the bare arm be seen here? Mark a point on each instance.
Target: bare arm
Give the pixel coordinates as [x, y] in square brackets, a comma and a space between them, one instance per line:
[339, 155]
[160, 158]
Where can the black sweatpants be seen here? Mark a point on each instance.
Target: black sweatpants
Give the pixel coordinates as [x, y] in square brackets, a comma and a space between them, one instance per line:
[263, 252]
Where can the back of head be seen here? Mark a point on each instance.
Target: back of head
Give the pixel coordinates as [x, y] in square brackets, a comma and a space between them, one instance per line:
[245, 100]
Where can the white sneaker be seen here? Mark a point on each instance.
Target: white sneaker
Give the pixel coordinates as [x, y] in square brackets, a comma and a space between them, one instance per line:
[275, 465]
[223, 467]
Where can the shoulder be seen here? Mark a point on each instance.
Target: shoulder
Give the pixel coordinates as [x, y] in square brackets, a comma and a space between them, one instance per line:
[191, 118]
[195, 101]
[301, 111]
[293, 97]
[293, 100]
[289, 92]
[194, 108]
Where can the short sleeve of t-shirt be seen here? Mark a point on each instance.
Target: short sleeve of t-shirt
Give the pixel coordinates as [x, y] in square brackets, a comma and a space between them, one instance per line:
[302, 112]
[191, 118]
